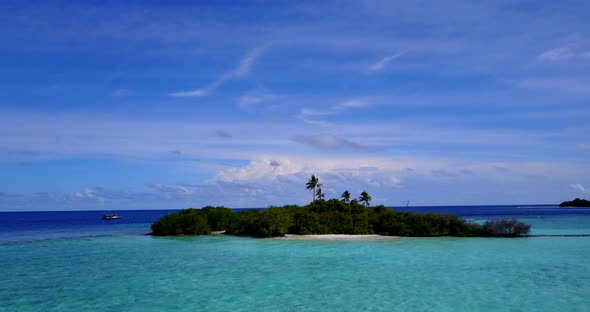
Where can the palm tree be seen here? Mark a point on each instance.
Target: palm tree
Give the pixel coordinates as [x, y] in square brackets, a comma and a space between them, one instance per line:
[312, 183]
[319, 193]
[365, 198]
[346, 197]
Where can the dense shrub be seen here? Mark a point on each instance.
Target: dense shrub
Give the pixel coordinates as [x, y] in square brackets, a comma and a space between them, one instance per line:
[269, 222]
[308, 222]
[389, 222]
[505, 228]
[184, 222]
[218, 218]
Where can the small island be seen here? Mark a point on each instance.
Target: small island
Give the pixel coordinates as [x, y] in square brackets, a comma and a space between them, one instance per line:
[334, 216]
[577, 203]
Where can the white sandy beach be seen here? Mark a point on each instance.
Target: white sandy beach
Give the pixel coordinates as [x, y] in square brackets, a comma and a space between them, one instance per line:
[339, 237]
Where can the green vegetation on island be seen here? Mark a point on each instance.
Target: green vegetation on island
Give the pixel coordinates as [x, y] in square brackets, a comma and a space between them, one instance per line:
[576, 203]
[194, 221]
[345, 216]
[329, 217]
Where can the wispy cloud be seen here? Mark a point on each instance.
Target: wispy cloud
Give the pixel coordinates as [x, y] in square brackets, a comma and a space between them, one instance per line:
[331, 142]
[242, 70]
[557, 54]
[310, 115]
[170, 188]
[580, 188]
[194, 93]
[246, 64]
[384, 61]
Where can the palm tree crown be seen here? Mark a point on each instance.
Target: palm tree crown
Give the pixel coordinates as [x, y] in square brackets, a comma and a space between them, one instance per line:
[319, 192]
[365, 198]
[346, 196]
[311, 184]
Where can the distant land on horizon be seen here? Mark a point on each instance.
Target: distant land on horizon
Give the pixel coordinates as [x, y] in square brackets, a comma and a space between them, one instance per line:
[246, 208]
[576, 203]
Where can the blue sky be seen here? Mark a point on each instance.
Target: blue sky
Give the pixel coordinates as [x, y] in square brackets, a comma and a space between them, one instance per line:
[173, 104]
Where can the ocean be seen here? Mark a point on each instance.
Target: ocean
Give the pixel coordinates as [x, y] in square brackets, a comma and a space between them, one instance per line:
[74, 261]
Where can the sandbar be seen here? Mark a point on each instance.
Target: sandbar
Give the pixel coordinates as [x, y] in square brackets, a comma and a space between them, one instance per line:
[338, 237]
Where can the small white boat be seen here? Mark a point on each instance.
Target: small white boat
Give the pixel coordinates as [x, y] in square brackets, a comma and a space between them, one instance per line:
[111, 216]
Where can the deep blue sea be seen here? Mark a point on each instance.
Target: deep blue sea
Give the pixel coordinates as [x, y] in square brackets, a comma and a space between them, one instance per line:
[74, 261]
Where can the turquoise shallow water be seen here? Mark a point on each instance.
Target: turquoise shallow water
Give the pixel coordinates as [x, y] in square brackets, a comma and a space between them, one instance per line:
[140, 273]
[131, 272]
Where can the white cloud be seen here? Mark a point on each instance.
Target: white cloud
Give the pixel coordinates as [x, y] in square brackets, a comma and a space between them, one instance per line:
[87, 193]
[557, 54]
[384, 61]
[193, 93]
[580, 188]
[243, 69]
[271, 166]
[284, 178]
[280, 179]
